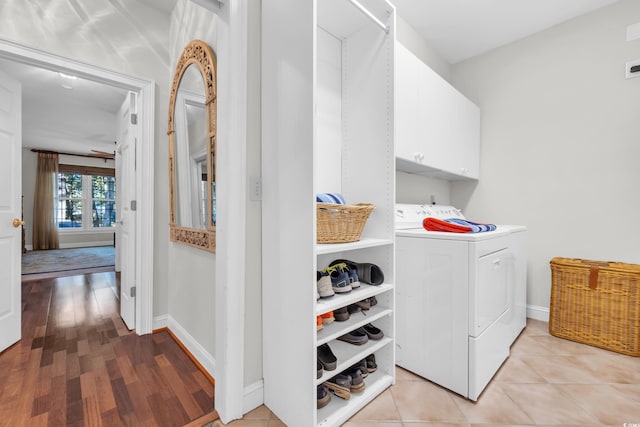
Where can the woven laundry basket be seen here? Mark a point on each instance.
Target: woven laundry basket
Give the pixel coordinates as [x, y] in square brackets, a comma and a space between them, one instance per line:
[596, 303]
[341, 223]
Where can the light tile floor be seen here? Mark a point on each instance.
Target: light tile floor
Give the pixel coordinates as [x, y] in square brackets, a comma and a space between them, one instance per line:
[547, 381]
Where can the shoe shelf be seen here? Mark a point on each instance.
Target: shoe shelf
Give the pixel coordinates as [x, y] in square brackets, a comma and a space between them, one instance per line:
[335, 329]
[339, 410]
[329, 248]
[350, 354]
[364, 291]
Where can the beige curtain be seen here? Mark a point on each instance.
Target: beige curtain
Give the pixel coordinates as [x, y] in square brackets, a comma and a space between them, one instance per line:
[45, 230]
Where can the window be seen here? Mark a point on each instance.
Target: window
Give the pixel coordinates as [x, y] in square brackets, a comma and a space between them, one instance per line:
[85, 201]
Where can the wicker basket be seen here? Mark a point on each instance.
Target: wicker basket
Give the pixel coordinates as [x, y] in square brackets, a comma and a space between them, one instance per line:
[596, 303]
[341, 223]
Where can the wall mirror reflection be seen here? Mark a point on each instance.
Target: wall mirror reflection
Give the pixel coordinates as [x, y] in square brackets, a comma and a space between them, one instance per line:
[192, 148]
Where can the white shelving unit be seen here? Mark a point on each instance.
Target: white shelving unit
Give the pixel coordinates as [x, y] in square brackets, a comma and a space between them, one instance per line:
[324, 128]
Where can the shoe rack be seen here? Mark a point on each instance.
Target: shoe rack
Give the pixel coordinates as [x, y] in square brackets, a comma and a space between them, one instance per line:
[297, 122]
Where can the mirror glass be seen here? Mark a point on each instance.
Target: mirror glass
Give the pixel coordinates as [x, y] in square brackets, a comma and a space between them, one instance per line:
[192, 140]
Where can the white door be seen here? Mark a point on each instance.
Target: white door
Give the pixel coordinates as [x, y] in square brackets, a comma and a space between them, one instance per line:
[126, 193]
[10, 210]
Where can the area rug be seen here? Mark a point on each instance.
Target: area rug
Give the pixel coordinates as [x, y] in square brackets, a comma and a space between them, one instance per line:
[35, 262]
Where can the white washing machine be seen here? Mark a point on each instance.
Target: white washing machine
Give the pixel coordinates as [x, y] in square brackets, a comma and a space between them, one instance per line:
[460, 298]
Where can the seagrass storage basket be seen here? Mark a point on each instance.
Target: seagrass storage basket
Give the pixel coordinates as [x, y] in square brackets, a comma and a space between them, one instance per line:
[596, 303]
[341, 223]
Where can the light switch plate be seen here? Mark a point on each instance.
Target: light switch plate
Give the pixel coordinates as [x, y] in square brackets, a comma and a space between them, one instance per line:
[627, 68]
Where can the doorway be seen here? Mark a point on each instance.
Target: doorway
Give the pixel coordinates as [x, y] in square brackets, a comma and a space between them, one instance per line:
[143, 176]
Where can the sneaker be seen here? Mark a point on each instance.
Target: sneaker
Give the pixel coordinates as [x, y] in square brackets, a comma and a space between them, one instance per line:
[327, 318]
[320, 370]
[325, 290]
[318, 323]
[339, 279]
[352, 272]
[323, 398]
[340, 385]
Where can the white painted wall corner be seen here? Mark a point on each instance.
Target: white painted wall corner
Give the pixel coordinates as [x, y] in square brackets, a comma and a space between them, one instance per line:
[537, 312]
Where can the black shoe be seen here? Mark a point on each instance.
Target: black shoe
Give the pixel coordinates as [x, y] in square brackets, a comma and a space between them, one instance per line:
[323, 397]
[357, 337]
[373, 332]
[327, 358]
[371, 363]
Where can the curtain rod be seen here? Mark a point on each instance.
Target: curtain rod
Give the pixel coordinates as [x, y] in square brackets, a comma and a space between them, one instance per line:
[369, 15]
[93, 156]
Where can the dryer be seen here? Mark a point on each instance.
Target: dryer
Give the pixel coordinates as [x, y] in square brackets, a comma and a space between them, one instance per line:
[460, 298]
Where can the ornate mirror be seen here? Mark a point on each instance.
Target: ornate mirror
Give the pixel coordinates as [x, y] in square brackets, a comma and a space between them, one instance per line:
[192, 148]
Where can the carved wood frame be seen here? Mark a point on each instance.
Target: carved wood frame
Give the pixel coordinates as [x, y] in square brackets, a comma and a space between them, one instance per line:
[199, 53]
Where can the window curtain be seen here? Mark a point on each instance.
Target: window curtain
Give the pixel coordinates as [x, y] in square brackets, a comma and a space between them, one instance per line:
[45, 230]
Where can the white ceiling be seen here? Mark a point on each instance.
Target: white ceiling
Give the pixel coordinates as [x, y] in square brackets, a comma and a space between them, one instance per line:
[460, 29]
[77, 118]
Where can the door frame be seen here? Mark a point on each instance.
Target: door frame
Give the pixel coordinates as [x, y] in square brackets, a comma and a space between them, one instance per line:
[144, 154]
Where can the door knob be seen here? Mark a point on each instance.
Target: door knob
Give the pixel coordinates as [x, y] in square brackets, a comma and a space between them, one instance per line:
[17, 223]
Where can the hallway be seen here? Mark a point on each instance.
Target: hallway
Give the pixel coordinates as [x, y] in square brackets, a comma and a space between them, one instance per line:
[77, 364]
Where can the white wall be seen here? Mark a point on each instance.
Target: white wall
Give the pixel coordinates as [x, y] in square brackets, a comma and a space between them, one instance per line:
[191, 272]
[560, 141]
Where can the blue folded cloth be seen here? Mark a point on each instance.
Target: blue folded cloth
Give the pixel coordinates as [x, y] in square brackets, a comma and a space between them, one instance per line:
[475, 227]
[335, 198]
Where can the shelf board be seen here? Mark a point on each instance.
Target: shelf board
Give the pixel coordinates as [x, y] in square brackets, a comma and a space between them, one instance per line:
[329, 248]
[339, 410]
[342, 300]
[334, 330]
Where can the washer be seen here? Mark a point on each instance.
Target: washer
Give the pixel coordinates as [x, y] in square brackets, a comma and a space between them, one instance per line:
[460, 298]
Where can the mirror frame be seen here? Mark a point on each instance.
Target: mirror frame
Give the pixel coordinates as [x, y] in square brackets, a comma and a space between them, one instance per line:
[199, 53]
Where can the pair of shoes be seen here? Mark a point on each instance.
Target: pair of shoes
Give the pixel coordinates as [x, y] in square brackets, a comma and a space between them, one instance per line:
[323, 398]
[367, 272]
[339, 276]
[354, 281]
[345, 383]
[327, 318]
[356, 337]
[362, 366]
[327, 358]
[324, 288]
[367, 303]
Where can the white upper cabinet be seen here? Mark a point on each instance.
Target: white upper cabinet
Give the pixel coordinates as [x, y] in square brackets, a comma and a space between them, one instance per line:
[437, 128]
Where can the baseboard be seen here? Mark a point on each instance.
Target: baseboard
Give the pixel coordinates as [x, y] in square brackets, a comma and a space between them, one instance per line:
[201, 356]
[253, 396]
[537, 312]
[160, 322]
[86, 244]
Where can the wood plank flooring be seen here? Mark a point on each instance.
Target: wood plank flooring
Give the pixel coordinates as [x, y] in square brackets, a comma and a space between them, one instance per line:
[78, 365]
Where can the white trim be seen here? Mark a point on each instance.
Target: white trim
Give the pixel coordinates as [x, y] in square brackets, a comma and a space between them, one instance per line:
[231, 186]
[145, 172]
[537, 312]
[203, 357]
[253, 396]
[160, 321]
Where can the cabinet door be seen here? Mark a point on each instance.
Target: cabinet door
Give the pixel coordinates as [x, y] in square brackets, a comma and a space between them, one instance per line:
[450, 124]
[408, 132]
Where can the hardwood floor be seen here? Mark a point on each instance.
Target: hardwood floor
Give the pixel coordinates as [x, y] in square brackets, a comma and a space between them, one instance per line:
[78, 365]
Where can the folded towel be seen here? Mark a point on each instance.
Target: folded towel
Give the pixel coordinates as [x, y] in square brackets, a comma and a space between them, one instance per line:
[456, 225]
[435, 224]
[335, 198]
